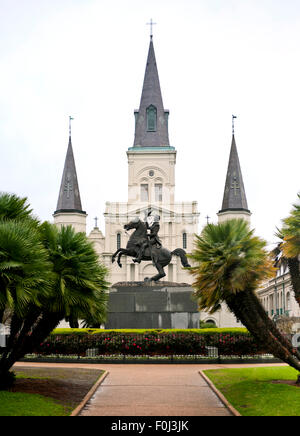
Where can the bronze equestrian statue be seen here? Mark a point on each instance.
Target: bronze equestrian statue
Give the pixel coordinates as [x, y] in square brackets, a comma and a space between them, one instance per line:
[152, 224]
[144, 244]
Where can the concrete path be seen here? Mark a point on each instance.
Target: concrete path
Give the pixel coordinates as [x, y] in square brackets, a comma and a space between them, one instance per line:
[153, 390]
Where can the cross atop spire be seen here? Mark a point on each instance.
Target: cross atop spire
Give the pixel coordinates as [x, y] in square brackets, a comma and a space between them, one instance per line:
[70, 119]
[151, 24]
[233, 118]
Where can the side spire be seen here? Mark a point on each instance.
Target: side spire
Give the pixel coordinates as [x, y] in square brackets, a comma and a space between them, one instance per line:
[151, 127]
[69, 195]
[234, 200]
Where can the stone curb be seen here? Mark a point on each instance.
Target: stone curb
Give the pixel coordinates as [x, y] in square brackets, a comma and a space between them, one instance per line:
[89, 394]
[221, 396]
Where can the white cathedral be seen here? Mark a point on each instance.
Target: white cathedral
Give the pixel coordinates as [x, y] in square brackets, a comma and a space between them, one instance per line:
[151, 186]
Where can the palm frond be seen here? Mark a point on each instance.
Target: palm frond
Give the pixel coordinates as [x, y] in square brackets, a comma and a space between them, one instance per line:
[227, 256]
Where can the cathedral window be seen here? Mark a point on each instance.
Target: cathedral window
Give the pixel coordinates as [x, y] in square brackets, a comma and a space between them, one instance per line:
[184, 241]
[118, 241]
[144, 192]
[151, 118]
[288, 301]
[132, 272]
[158, 192]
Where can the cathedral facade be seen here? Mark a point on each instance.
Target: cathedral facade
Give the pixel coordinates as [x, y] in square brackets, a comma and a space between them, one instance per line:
[151, 188]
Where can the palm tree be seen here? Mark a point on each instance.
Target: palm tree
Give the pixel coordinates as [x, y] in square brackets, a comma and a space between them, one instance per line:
[46, 274]
[230, 263]
[25, 278]
[78, 289]
[13, 207]
[288, 251]
[16, 209]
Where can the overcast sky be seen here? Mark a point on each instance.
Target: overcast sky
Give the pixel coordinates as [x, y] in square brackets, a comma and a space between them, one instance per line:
[87, 58]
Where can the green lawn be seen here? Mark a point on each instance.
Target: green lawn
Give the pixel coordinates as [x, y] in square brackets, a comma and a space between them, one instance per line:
[21, 404]
[43, 391]
[252, 392]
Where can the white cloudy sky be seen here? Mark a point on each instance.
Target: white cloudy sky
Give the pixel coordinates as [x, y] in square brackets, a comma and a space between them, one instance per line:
[86, 58]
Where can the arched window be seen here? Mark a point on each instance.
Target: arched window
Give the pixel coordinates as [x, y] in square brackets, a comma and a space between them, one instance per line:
[184, 241]
[118, 241]
[151, 118]
[210, 322]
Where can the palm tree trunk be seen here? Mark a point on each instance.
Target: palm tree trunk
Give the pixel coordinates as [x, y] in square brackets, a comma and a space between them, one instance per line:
[257, 307]
[47, 323]
[28, 343]
[294, 268]
[245, 307]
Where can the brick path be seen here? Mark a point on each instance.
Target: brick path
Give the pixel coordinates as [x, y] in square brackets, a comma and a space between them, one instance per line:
[153, 390]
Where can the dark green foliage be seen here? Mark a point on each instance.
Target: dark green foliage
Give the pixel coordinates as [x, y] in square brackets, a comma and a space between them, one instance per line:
[13, 207]
[46, 275]
[25, 270]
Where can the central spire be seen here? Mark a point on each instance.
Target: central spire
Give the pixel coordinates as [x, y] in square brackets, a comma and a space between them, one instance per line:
[151, 120]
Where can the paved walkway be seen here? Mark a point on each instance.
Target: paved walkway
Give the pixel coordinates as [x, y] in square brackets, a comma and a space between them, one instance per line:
[153, 390]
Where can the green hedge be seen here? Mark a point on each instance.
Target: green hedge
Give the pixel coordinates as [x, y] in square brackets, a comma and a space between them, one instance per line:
[90, 331]
[230, 342]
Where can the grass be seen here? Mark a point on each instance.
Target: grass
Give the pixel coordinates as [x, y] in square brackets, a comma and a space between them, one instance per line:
[21, 404]
[43, 391]
[259, 391]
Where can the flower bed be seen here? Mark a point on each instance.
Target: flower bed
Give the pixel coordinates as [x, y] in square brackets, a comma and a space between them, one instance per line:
[227, 342]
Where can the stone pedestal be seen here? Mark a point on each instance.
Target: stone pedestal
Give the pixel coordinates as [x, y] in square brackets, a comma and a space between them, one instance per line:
[140, 305]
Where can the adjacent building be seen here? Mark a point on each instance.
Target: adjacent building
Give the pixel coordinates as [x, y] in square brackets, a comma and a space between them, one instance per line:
[277, 297]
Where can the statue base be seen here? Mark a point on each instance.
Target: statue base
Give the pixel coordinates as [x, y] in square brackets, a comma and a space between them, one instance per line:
[154, 305]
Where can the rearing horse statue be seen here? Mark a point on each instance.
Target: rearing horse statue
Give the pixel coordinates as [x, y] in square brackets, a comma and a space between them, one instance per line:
[160, 257]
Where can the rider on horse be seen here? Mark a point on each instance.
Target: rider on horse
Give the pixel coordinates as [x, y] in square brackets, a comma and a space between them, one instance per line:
[153, 240]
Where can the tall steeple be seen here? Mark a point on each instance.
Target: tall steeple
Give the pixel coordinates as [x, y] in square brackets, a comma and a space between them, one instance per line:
[151, 160]
[234, 200]
[69, 209]
[151, 120]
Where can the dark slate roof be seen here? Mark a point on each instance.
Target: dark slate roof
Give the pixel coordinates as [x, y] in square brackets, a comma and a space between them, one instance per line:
[69, 195]
[151, 95]
[234, 192]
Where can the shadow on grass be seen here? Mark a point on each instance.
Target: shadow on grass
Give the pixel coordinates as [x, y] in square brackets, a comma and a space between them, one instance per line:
[47, 391]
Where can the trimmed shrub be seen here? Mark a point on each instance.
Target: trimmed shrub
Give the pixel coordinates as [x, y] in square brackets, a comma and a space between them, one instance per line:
[230, 342]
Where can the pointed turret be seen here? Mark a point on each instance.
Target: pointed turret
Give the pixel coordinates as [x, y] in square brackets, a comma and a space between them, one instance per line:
[151, 126]
[69, 209]
[69, 196]
[234, 200]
